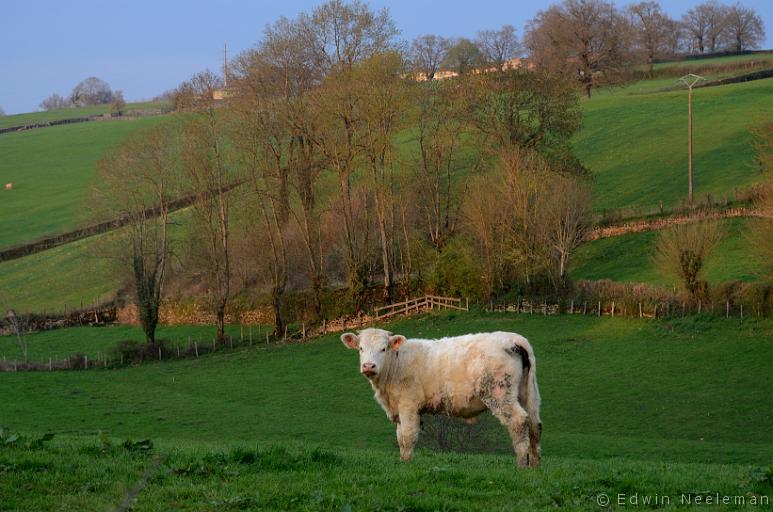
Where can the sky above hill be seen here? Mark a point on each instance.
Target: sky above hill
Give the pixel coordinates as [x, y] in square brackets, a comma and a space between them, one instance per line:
[145, 47]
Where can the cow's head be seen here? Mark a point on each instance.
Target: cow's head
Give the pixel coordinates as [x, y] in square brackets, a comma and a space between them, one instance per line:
[375, 346]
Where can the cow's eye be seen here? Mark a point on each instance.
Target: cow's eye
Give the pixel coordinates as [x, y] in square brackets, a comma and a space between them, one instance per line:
[360, 349]
[383, 349]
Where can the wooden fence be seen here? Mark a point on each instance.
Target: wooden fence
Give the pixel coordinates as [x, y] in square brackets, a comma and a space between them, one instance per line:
[415, 305]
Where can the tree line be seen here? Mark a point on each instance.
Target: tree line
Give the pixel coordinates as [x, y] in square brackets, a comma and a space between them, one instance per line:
[328, 166]
[351, 175]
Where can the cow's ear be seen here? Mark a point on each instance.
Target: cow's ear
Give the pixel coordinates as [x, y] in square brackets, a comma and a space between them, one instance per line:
[396, 341]
[350, 340]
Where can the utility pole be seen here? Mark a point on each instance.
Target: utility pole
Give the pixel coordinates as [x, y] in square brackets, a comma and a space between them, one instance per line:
[225, 65]
[690, 81]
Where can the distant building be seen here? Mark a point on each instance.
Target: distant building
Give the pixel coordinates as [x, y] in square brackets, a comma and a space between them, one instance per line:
[517, 63]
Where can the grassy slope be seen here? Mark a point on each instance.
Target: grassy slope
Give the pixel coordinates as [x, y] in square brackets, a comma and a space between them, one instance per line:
[611, 388]
[636, 144]
[628, 406]
[628, 258]
[51, 169]
[62, 277]
[94, 342]
[68, 113]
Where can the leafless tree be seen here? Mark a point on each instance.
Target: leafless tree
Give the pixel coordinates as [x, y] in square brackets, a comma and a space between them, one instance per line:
[18, 328]
[118, 105]
[91, 91]
[443, 152]
[382, 96]
[210, 176]
[137, 181]
[498, 46]
[744, 28]
[567, 219]
[463, 56]
[587, 40]
[428, 52]
[55, 102]
[338, 33]
[653, 30]
[681, 252]
[716, 23]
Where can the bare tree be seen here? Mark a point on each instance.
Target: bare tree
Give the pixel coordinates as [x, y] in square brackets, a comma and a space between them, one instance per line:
[428, 52]
[443, 152]
[338, 34]
[716, 22]
[118, 105]
[91, 91]
[653, 30]
[681, 252]
[463, 56]
[696, 23]
[210, 176]
[567, 219]
[586, 40]
[18, 328]
[498, 46]
[381, 95]
[744, 28]
[55, 102]
[137, 182]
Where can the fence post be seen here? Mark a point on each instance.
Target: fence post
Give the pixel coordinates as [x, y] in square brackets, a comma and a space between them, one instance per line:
[241, 333]
[49, 364]
[467, 304]
[177, 346]
[741, 310]
[640, 311]
[86, 362]
[324, 326]
[266, 337]
[599, 314]
[231, 341]
[159, 352]
[699, 306]
[727, 309]
[571, 308]
[196, 348]
[285, 336]
[655, 312]
[613, 309]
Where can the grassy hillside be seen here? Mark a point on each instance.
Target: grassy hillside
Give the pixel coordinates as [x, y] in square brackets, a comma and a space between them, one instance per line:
[628, 258]
[648, 389]
[68, 113]
[51, 169]
[636, 145]
[628, 407]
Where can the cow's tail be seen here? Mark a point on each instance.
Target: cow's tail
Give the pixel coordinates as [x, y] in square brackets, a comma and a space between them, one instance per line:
[530, 399]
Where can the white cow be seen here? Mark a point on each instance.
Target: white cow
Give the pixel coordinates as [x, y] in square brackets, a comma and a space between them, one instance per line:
[459, 376]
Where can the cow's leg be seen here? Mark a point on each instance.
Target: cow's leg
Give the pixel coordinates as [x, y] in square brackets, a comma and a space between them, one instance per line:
[535, 434]
[516, 420]
[408, 433]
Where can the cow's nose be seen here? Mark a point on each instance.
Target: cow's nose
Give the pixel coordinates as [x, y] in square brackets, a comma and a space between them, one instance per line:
[368, 367]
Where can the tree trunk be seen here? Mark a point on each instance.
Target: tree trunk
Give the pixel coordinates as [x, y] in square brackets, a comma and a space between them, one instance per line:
[221, 320]
[276, 305]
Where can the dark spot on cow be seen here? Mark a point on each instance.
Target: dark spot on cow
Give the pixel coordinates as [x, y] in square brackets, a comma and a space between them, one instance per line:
[520, 351]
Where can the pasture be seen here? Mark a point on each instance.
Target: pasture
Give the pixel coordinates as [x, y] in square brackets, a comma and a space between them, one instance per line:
[680, 406]
[51, 170]
[629, 258]
[636, 145]
[69, 113]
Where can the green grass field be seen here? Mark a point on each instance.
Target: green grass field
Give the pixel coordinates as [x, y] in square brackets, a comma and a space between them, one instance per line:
[628, 406]
[628, 258]
[636, 145]
[68, 113]
[51, 170]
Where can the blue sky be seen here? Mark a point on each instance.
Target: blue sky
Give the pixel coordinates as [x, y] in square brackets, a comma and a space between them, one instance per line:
[145, 47]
